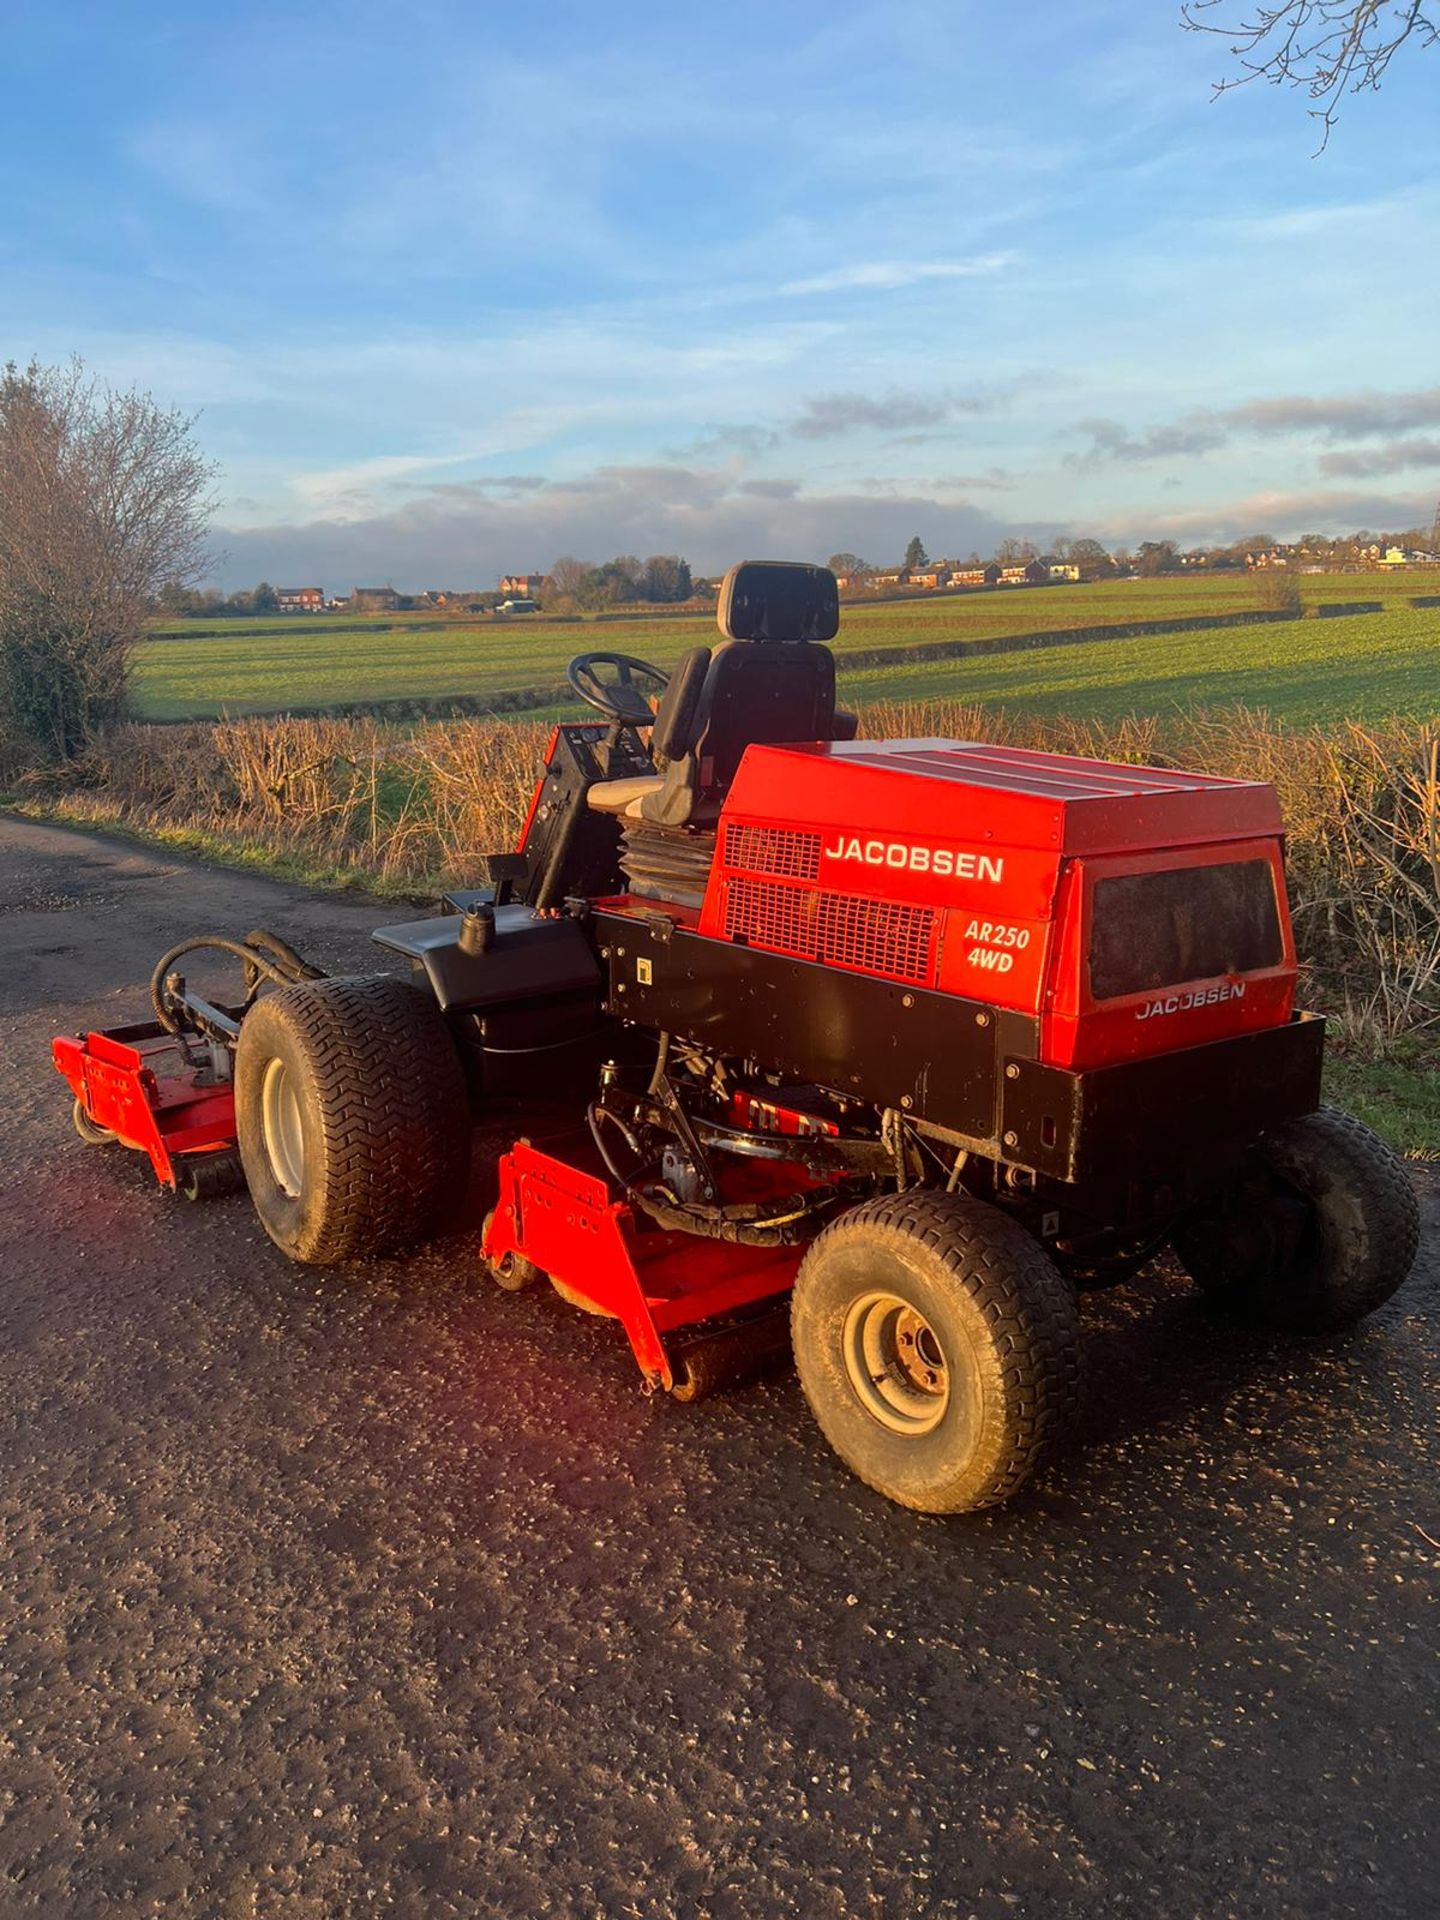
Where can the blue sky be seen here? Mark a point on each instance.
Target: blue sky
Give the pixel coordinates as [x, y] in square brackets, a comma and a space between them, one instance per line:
[458, 288]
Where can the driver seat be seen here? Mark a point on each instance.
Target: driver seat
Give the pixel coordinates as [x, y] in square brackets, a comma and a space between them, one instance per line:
[669, 737]
[771, 682]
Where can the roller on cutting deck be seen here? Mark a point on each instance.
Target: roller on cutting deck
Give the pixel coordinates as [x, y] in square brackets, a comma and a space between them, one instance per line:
[874, 1051]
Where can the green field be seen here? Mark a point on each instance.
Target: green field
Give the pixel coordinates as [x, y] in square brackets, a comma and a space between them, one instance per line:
[1305, 671]
[1308, 669]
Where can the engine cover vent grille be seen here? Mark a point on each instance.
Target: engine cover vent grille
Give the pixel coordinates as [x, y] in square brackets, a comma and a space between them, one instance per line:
[794, 856]
[840, 929]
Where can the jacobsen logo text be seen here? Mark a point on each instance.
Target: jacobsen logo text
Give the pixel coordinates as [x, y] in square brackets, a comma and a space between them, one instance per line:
[1195, 997]
[944, 861]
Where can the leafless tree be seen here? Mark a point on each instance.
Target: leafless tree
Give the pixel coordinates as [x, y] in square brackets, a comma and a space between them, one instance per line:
[1328, 48]
[103, 503]
[567, 576]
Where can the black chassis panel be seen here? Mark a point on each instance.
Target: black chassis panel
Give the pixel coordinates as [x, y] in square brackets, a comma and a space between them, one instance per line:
[1130, 1142]
[1146, 1137]
[928, 1054]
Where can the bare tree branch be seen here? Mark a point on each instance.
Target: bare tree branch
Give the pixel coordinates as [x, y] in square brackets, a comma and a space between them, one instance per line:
[1328, 48]
[102, 505]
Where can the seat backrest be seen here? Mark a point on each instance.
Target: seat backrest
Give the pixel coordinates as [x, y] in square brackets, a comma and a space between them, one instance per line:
[769, 683]
[779, 601]
[759, 695]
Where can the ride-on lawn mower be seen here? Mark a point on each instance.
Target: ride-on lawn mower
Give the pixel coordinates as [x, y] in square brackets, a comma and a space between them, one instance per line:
[913, 1038]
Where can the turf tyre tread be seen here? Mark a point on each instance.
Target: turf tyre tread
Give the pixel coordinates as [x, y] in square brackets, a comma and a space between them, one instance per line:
[1027, 1347]
[387, 1124]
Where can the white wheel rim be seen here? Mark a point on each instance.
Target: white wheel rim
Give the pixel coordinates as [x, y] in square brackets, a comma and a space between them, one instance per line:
[895, 1363]
[282, 1128]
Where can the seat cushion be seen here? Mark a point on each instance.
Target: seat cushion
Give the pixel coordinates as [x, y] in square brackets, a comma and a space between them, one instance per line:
[614, 796]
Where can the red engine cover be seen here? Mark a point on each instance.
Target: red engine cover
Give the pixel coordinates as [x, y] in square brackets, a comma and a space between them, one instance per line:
[971, 869]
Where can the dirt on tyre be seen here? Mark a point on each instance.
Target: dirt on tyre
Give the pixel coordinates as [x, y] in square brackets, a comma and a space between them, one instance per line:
[1321, 1230]
[352, 1117]
[939, 1349]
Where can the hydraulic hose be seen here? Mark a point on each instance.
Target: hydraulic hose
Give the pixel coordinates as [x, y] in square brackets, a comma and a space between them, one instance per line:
[265, 956]
[284, 954]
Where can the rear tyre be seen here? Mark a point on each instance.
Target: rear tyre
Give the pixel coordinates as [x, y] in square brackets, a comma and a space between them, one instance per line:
[939, 1349]
[1321, 1231]
[351, 1112]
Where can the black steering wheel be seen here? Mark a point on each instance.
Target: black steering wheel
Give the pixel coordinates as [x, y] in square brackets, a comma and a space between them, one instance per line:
[620, 698]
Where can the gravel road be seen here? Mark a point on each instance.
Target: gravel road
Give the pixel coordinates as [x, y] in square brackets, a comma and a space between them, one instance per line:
[378, 1591]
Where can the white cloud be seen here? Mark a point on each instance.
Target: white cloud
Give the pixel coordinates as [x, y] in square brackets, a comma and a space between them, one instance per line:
[1282, 512]
[464, 536]
[888, 274]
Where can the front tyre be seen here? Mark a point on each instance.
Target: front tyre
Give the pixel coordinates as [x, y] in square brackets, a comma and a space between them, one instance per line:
[938, 1347]
[1321, 1231]
[352, 1118]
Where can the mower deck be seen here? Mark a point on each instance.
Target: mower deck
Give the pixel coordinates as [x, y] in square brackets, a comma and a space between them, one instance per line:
[137, 1084]
[562, 1219]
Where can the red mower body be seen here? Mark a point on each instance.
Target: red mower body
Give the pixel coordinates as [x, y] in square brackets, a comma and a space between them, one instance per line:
[1021, 880]
[565, 1221]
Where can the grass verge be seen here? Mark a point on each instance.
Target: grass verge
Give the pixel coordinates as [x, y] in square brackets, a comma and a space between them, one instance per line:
[1399, 1096]
[228, 849]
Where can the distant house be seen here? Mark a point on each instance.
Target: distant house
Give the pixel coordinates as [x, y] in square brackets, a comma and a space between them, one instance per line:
[887, 579]
[1059, 571]
[1394, 557]
[300, 599]
[374, 600]
[975, 576]
[1033, 574]
[521, 586]
[932, 576]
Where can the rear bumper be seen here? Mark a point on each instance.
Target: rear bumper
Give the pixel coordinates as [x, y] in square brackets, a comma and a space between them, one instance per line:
[1145, 1138]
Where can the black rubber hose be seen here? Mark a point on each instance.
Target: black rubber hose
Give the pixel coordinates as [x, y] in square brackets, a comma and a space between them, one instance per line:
[261, 963]
[722, 1224]
[284, 953]
[594, 1114]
